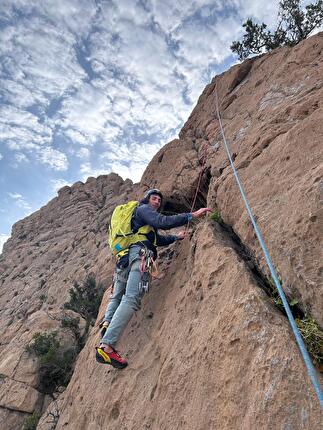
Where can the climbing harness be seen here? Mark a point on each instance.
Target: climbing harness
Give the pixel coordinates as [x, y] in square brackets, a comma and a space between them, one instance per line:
[148, 269]
[310, 368]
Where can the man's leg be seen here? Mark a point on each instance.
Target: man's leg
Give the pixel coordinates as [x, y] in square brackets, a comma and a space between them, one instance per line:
[119, 287]
[130, 303]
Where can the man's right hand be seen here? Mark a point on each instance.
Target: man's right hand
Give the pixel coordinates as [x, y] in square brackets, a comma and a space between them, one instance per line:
[201, 212]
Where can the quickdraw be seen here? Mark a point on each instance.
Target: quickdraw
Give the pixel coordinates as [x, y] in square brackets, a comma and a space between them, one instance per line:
[148, 269]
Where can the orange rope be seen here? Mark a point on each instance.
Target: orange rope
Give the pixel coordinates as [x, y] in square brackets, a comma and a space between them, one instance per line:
[202, 161]
[197, 188]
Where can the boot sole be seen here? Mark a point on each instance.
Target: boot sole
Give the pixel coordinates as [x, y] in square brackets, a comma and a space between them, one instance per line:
[102, 358]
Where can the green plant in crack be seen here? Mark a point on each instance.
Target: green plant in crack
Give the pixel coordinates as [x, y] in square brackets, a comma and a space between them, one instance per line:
[31, 422]
[307, 326]
[275, 296]
[216, 216]
[313, 338]
[43, 298]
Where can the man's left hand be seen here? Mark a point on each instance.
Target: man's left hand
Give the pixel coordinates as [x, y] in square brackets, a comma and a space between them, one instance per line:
[182, 234]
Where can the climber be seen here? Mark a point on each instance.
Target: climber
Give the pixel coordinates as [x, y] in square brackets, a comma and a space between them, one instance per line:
[129, 287]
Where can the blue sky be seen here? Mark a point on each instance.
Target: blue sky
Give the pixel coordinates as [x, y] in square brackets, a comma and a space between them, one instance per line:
[90, 87]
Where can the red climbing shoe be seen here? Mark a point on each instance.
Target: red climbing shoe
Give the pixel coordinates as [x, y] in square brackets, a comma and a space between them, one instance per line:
[113, 358]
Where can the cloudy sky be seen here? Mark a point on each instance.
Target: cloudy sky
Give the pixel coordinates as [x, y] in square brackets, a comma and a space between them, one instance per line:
[93, 86]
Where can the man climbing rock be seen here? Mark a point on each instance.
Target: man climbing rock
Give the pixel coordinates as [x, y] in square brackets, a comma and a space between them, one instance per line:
[133, 270]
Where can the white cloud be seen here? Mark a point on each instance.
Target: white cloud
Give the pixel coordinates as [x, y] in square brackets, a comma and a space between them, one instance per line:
[15, 196]
[39, 65]
[19, 156]
[88, 170]
[76, 136]
[87, 111]
[57, 184]
[34, 50]
[133, 171]
[21, 202]
[21, 129]
[18, 94]
[132, 11]
[134, 153]
[111, 133]
[83, 152]
[73, 15]
[169, 15]
[3, 240]
[128, 161]
[262, 11]
[145, 56]
[55, 159]
[101, 86]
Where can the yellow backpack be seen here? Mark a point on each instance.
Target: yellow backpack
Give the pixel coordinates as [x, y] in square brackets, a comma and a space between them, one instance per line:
[120, 234]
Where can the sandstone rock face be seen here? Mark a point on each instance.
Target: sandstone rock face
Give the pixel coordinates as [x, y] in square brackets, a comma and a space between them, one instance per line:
[176, 169]
[10, 419]
[208, 350]
[18, 396]
[51, 249]
[272, 113]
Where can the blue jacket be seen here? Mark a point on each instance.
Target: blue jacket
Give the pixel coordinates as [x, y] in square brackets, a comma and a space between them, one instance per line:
[146, 215]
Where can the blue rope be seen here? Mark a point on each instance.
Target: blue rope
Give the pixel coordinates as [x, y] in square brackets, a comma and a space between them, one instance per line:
[310, 368]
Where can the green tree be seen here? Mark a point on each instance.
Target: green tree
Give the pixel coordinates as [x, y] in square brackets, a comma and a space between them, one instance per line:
[294, 25]
[56, 363]
[86, 299]
[31, 422]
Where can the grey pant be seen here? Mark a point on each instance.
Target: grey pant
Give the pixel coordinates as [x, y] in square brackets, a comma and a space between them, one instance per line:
[126, 298]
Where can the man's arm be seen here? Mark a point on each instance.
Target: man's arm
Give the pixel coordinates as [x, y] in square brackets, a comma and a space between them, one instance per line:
[165, 240]
[151, 217]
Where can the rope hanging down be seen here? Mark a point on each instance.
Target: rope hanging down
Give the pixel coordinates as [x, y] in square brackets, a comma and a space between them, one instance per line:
[202, 162]
[310, 368]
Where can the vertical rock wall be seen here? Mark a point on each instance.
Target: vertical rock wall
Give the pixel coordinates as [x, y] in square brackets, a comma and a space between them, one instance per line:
[51, 249]
[209, 349]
